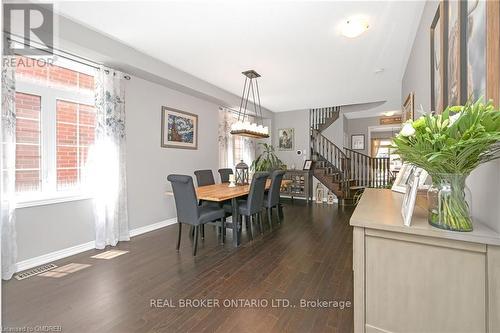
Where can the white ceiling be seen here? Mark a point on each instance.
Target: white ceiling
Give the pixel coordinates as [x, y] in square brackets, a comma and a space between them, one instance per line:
[295, 46]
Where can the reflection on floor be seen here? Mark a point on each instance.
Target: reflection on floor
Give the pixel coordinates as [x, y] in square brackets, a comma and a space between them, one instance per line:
[64, 270]
[109, 254]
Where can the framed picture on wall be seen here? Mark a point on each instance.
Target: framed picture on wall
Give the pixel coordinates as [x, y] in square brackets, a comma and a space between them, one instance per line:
[476, 29]
[455, 40]
[307, 165]
[437, 60]
[409, 108]
[358, 142]
[179, 129]
[286, 137]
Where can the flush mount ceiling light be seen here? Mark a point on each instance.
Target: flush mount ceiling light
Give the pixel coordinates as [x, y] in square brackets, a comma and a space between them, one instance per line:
[243, 126]
[354, 27]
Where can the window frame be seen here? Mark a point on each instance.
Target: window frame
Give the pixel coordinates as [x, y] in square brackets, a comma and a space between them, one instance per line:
[49, 95]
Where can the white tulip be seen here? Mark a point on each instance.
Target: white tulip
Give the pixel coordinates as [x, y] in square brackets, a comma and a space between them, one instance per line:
[408, 130]
[454, 118]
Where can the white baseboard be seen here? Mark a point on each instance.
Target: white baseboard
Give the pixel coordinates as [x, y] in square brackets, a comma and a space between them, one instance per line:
[70, 251]
[312, 200]
[152, 227]
[53, 256]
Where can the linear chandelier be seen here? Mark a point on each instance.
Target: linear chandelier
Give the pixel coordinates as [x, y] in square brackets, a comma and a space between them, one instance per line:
[243, 126]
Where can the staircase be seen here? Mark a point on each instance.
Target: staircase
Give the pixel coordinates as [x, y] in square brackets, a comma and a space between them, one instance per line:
[343, 171]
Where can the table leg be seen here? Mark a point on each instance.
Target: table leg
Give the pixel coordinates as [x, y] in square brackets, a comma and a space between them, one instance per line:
[236, 222]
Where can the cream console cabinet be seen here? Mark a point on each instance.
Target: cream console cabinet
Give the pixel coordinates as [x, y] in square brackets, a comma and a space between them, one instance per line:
[420, 278]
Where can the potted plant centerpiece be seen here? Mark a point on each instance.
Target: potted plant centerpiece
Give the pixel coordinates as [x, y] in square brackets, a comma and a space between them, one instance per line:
[449, 146]
[267, 160]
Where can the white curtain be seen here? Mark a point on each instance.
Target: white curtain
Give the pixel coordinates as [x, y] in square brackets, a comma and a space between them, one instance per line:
[106, 168]
[8, 175]
[233, 148]
[226, 119]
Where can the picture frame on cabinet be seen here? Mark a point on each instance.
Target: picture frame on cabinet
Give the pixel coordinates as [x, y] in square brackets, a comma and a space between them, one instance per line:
[410, 197]
[405, 174]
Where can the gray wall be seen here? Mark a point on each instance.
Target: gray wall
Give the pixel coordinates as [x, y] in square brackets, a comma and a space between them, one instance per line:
[360, 126]
[299, 120]
[484, 182]
[44, 229]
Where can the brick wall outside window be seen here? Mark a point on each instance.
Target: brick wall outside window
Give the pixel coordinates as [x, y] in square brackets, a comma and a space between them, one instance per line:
[74, 125]
[75, 133]
[28, 114]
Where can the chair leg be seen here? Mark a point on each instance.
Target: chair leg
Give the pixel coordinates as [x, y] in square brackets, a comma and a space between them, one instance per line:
[179, 237]
[270, 217]
[259, 216]
[191, 231]
[280, 210]
[195, 247]
[223, 233]
[202, 227]
[278, 214]
[249, 226]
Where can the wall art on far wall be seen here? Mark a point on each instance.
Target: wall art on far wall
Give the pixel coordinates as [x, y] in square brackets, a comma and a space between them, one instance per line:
[409, 108]
[179, 129]
[437, 60]
[286, 137]
[475, 26]
[358, 142]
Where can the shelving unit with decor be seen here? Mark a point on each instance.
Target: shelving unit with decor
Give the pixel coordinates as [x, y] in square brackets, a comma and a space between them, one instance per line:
[299, 185]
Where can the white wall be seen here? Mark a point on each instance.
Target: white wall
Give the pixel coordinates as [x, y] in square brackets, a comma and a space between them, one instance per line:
[44, 229]
[484, 182]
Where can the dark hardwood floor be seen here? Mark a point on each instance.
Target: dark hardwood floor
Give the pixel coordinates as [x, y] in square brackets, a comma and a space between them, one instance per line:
[308, 257]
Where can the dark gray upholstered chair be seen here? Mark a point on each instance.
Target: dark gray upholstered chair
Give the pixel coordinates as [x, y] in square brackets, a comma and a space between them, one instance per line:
[251, 207]
[272, 198]
[188, 211]
[224, 174]
[204, 177]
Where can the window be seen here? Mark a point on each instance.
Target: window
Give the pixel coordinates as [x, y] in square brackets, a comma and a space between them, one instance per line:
[55, 126]
[383, 148]
[243, 147]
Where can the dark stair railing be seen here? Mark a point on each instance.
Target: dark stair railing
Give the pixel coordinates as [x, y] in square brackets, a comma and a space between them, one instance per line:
[322, 118]
[331, 157]
[343, 170]
[369, 171]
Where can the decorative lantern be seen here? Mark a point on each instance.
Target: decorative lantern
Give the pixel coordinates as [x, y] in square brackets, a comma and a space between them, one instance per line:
[330, 199]
[319, 193]
[241, 173]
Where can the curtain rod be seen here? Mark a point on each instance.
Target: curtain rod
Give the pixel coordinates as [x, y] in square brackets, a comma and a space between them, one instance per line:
[69, 56]
[237, 112]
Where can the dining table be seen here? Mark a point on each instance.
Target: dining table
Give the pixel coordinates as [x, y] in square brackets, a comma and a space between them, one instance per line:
[223, 192]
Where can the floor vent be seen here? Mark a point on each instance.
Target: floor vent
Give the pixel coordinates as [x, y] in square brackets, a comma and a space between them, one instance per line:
[34, 271]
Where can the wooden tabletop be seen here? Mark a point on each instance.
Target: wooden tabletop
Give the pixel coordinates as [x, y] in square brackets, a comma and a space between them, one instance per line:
[222, 192]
